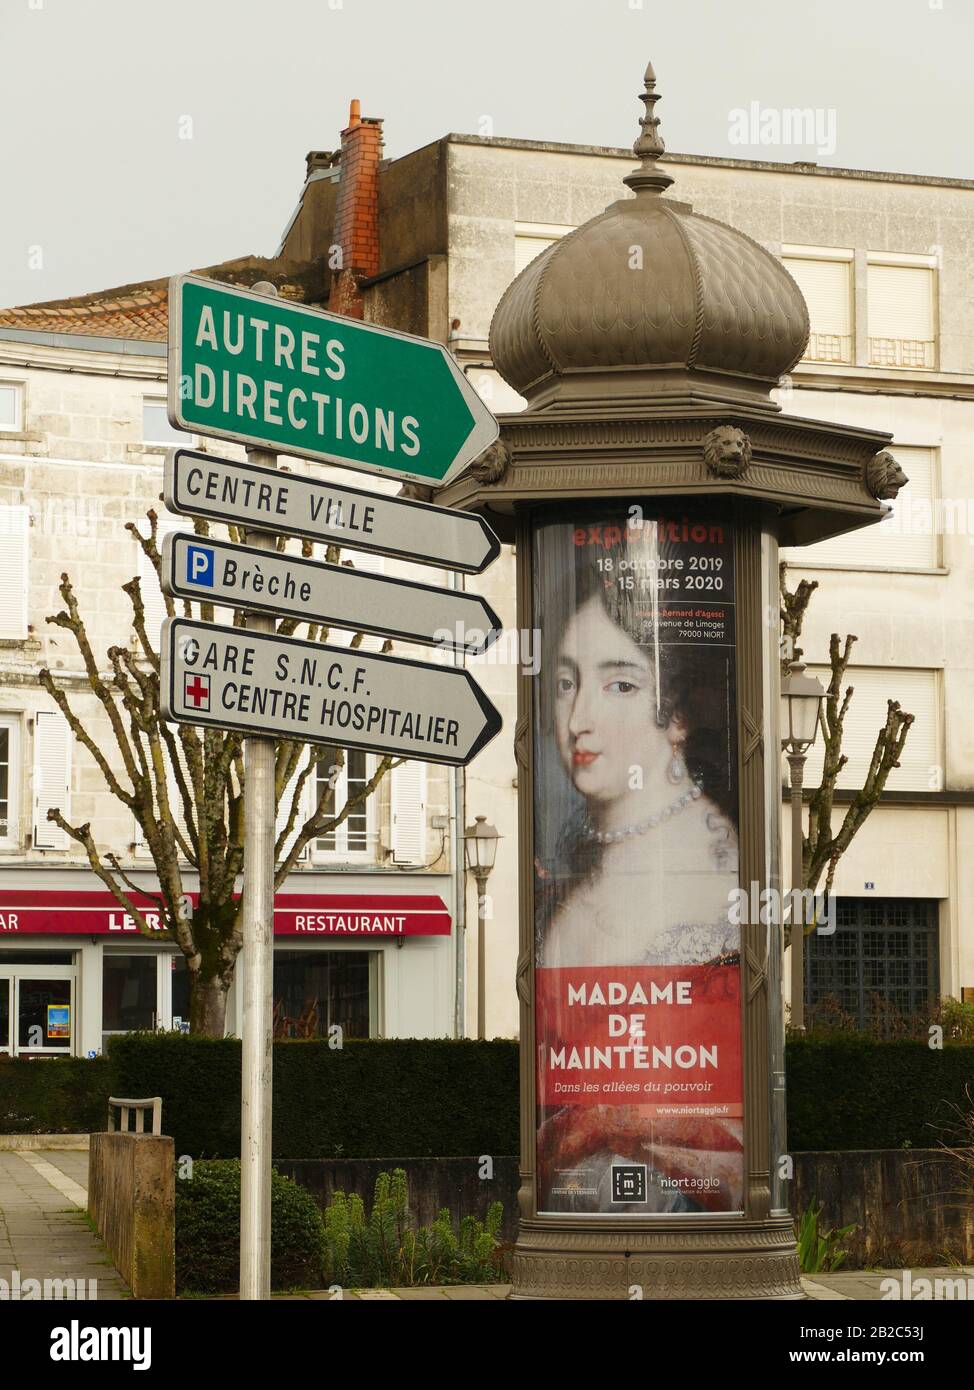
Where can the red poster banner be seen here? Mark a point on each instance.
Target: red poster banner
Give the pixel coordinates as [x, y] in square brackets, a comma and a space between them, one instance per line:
[637, 960]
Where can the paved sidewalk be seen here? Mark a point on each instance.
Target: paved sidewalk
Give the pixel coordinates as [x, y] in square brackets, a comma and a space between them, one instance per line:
[43, 1232]
[854, 1284]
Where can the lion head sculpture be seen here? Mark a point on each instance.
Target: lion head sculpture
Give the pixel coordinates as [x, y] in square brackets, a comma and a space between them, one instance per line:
[727, 452]
[884, 476]
[492, 464]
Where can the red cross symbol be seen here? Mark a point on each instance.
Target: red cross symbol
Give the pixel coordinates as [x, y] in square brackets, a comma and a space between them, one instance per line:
[196, 691]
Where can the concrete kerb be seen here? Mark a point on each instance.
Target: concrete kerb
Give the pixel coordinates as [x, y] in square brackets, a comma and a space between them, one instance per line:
[14, 1142]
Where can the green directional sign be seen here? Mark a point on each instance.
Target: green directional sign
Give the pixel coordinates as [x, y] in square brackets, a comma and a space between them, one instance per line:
[266, 372]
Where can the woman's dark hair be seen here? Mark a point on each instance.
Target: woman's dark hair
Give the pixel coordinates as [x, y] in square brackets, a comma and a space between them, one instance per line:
[696, 681]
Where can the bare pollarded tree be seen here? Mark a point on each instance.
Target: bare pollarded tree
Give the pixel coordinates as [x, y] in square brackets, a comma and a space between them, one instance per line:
[821, 847]
[184, 786]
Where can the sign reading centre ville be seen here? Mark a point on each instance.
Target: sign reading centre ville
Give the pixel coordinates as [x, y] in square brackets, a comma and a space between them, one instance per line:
[71, 912]
[284, 377]
[282, 687]
[246, 494]
[215, 571]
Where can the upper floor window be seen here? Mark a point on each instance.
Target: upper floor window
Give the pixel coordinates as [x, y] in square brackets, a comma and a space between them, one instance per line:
[338, 781]
[9, 780]
[825, 278]
[920, 692]
[14, 550]
[909, 538]
[156, 428]
[11, 406]
[901, 310]
[52, 777]
[531, 238]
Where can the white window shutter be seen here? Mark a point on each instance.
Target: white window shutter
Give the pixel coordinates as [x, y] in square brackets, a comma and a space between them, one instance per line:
[901, 316]
[827, 287]
[175, 807]
[918, 694]
[908, 538]
[408, 813]
[303, 812]
[52, 777]
[14, 550]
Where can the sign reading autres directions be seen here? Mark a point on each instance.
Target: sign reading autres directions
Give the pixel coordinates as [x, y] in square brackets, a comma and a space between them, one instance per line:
[297, 380]
[240, 576]
[271, 686]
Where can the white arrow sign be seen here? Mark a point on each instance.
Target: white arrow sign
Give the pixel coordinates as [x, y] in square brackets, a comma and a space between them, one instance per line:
[280, 687]
[240, 576]
[196, 484]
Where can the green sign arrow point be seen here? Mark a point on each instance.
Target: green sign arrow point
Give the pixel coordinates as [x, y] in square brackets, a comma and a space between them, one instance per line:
[265, 371]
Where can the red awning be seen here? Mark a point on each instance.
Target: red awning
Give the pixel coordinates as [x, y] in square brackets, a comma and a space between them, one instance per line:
[58, 912]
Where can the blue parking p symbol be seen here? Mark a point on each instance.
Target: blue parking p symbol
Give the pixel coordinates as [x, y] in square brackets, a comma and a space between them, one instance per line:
[199, 565]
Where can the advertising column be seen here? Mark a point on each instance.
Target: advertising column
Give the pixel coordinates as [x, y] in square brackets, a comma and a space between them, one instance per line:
[638, 1007]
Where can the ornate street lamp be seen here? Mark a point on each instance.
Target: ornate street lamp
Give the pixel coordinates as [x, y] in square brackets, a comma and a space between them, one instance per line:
[647, 487]
[801, 704]
[480, 846]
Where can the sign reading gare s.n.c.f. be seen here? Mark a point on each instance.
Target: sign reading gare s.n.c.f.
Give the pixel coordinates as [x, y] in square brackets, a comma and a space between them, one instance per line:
[285, 377]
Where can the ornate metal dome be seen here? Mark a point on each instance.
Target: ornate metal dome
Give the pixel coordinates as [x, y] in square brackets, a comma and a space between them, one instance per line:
[683, 307]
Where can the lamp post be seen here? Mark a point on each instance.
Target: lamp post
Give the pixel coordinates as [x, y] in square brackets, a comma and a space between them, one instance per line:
[801, 702]
[480, 844]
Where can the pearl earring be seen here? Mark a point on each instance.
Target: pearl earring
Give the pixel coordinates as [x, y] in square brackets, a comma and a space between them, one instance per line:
[677, 769]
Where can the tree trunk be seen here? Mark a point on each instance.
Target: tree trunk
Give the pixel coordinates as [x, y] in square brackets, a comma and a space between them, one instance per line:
[207, 1006]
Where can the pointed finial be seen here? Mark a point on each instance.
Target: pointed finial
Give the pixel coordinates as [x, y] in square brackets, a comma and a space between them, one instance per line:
[649, 144]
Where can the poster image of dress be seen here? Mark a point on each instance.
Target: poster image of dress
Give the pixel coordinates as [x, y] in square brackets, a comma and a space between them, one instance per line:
[637, 980]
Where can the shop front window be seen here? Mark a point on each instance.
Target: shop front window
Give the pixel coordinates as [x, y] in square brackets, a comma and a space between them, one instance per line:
[128, 993]
[315, 990]
[180, 994]
[44, 1015]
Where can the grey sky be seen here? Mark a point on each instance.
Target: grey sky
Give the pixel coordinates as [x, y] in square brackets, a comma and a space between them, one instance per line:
[97, 176]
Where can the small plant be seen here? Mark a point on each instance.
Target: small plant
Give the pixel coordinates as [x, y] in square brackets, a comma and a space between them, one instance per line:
[819, 1252]
[383, 1249]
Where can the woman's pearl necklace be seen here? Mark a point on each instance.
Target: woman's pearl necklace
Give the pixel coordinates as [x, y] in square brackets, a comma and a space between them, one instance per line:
[614, 837]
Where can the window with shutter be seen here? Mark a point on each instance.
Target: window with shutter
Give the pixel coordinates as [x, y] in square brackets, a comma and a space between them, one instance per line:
[52, 777]
[10, 781]
[175, 806]
[531, 238]
[11, 405]
[825, 279]
[407, 814]
[909, 538]
[901, 317]
[301, 815]
[14, 551]
[919, 694]
[355, 838]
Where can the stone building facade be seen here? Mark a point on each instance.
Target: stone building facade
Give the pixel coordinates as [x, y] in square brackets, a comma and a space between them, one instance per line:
[883, 261]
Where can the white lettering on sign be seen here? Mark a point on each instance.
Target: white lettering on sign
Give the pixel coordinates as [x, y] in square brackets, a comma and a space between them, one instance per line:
[9, 921]
[128, 923]
[355, 922]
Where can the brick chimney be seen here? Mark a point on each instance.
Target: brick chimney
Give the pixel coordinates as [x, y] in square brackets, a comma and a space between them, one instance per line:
[356, 228]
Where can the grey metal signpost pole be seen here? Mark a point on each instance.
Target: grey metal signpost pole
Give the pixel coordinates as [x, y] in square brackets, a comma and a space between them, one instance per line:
[258, 983]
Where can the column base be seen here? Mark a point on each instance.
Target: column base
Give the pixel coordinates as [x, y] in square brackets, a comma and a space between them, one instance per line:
[752, 1260]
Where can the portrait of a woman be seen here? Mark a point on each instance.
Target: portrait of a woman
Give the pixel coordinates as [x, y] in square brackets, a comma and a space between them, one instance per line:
[636, 860]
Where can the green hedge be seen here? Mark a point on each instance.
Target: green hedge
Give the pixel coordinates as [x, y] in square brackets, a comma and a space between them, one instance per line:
[54, 1095]
[384, 1098]
[857, 1093]
[409, 1098]
[208, 1231]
